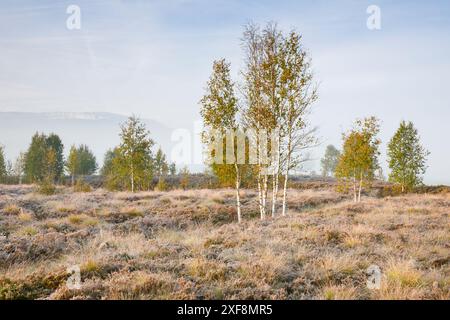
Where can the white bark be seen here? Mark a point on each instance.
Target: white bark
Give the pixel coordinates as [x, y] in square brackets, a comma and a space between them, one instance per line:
[132, 178]
[265, 184]
[286, 176]
[359, 191]
[274, 193]
[283, 213]
[260, 201]
[238, 197]
[276, 175]
[262, 206]
[360, 188]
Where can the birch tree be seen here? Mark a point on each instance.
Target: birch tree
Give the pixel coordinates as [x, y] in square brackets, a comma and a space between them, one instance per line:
[135, 155]
[81, 161]
[219, 113]
[257, 116]
[72, 163]
[273, 97]
[161, 169]
[359, 160]
[330, 160]
[279, 91]
[44, 158]
[19, 166]
[299, 92]
[406, 157]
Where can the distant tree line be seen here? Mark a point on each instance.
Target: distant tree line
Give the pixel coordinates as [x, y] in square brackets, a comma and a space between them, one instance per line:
[129, 166]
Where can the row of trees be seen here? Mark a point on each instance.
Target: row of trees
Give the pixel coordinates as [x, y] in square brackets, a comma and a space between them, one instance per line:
[276, 93]
[129, 166]
[43, 162]
[358, 163]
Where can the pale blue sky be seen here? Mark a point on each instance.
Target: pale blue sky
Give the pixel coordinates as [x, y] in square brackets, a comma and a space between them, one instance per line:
[152, 58]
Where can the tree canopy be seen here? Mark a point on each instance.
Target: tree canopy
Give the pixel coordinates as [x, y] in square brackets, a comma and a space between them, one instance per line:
[359, 160]
[81, 161]
[330, 160]
[44, 158]
[129, 166]
[406, 157]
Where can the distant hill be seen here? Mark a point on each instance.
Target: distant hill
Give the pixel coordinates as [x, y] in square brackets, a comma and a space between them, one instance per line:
[100, 131]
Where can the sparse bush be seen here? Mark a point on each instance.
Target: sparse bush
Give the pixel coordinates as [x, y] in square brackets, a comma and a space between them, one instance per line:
[82, 219]
[132, 212]
[162, 185]
[32, 287]
[75, 219]
[339, 293]
[47, 188]
[404, 275]
[12, 209]
[29, 231]
[25, 217]
[81, 186]
[390, 191]
[184, 180]
[90, 267]
[94, 269]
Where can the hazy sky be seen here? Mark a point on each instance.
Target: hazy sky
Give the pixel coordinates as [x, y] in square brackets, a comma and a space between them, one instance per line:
[152, 58]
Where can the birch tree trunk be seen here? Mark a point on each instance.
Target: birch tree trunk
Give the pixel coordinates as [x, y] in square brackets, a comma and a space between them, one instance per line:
[276, 175]
[238, 198]
[265, 184]
[359, 191]
[283, 213]
[286, 176]
[260, 191]
[360, 187]
[273, 193]
[260, 201]
[132, 178]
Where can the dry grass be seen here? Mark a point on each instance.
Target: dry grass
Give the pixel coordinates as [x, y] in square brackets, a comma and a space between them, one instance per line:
[12, 209]
[187, 245]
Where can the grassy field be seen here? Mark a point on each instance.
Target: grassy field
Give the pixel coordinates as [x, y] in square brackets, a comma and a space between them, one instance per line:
[187, 245]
